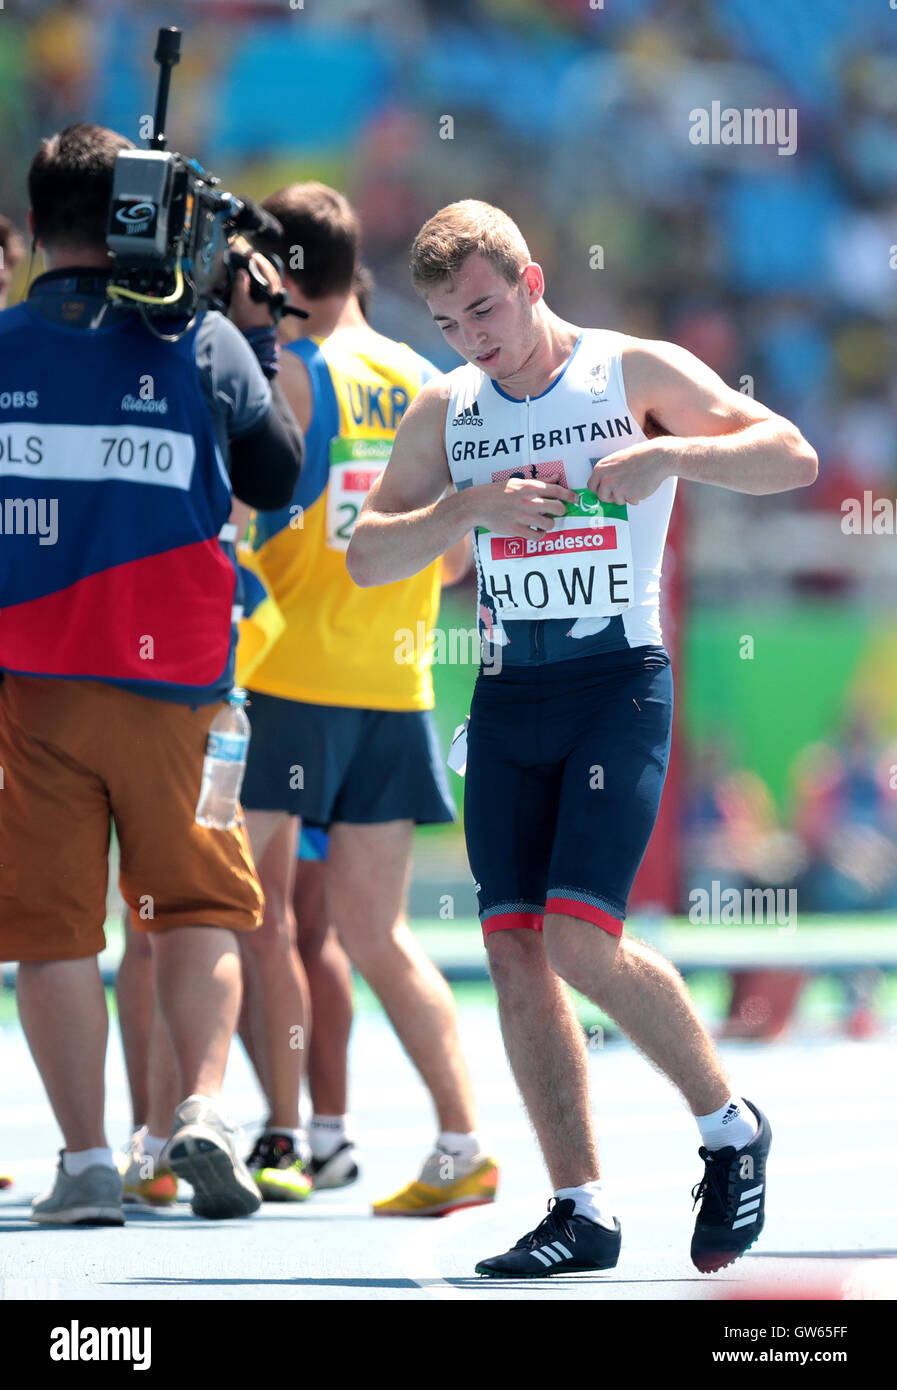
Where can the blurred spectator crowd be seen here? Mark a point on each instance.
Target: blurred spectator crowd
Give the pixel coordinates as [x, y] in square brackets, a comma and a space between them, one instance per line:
[575, 116]
[837, 844]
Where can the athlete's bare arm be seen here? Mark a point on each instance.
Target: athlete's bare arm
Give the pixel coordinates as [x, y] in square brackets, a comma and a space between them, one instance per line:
[456, 562]
[699, 429]
[409, 519]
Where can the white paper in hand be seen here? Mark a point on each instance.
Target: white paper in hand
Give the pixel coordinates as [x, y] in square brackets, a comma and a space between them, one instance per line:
[457, 757]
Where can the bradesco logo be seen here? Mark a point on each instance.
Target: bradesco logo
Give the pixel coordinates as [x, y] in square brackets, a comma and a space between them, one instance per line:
[136, 217]
[520, 548]
[360, 479]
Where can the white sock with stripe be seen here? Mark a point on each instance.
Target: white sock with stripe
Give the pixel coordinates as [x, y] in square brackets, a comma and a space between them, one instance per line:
[326, 1133]
[459, 1145]
[591, 1202]
[733, 1125]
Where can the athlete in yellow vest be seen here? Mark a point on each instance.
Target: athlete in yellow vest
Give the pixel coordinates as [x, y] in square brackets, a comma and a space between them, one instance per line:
[342, 736]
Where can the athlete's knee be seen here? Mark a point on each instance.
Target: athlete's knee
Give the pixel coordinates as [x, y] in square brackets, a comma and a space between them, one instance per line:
[513, 956]
[370, 940]
[582, 953]
[137, 945]
[311, 938]
[276, 935]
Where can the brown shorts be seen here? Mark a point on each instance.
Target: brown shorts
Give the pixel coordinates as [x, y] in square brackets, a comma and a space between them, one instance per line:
[76, 756]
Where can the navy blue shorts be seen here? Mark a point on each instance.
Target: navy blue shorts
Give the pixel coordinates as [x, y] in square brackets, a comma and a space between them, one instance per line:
[327, 764]
[565, 767]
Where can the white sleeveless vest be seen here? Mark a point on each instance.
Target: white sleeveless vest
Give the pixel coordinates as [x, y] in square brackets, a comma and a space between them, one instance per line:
[600, 559]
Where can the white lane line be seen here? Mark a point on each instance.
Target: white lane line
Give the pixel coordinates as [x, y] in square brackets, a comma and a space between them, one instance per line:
[417, 1254]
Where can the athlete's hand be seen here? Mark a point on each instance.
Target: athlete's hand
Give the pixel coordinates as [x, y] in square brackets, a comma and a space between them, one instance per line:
[519, 505]
[631, 475]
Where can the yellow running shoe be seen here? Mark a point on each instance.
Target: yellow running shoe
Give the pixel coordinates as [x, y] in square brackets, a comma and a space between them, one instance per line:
[281, 1174]
[145, 1181]
[447, 1183]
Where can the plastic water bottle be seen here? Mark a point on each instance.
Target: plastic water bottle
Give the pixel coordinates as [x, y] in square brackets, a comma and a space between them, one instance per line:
[224, 765]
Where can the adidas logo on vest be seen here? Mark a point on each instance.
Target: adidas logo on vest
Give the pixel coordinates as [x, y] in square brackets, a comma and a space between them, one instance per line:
[469, 416]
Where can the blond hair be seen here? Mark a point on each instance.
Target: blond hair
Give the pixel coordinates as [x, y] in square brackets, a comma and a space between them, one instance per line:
[468, 228]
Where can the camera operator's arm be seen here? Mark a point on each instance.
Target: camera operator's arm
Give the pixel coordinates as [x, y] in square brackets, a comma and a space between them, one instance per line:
[257, 431]
[265, 464]
[263, 459]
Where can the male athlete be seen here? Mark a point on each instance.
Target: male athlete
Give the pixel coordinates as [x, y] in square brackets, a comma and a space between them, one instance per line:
[342, 734]
[564, 446]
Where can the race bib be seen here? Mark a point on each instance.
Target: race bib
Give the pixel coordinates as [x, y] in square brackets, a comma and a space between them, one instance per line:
[581, 568]
[355, 465]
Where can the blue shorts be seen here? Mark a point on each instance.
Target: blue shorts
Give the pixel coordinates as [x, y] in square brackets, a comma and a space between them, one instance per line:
[565, 767]
[327, 763]
[312, 843]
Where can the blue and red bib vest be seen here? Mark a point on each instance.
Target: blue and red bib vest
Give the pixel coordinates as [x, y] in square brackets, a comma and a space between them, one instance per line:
[113, 495]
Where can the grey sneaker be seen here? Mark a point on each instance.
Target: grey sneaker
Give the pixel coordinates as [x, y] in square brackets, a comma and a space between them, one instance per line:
[93, 1198]
[201, 1151]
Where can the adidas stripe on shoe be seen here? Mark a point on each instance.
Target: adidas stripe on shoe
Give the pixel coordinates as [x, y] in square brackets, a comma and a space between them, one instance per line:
[562, 1243]
[732, 1193]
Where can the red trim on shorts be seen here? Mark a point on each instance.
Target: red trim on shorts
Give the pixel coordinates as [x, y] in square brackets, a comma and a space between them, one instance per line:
[503, 921]
[570, 907]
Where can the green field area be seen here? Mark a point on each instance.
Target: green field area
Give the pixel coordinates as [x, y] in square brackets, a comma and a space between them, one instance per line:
[832, 951]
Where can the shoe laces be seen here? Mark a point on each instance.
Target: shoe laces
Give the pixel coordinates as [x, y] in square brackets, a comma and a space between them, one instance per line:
[275, 1151]
[556, 1223]
[714, 1187]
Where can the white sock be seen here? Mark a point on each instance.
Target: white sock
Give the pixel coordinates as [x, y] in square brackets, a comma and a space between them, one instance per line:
[459, 1145]
[77, 1161]
[326, 1133]
[153, 1145]
[733, 1125]
[205, 1100]
[591, 1202]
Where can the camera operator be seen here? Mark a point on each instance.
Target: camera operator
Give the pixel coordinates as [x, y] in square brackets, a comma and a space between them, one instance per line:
[120, 455]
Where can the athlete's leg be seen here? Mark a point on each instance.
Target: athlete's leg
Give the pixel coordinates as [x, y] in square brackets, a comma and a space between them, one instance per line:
[546, 1049]
[275, 983]
[164, 1084]
[260, 826]
[330, 988]
[621, 729]
[367, 878]
[197, 977]
[150, 1062]
[645, 994]
[134, 996]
